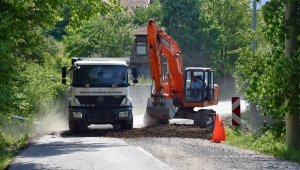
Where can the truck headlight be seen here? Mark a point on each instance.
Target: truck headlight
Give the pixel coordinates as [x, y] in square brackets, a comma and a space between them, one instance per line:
[77, 115]
[123, 114]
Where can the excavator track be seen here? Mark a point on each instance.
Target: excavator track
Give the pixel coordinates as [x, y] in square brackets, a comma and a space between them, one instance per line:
[205, 118]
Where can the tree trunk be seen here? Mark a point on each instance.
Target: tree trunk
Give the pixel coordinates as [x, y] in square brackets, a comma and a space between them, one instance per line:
[291, 119]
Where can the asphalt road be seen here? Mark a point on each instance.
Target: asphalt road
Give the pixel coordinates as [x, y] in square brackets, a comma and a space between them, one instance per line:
[59, 152]
[55, 152]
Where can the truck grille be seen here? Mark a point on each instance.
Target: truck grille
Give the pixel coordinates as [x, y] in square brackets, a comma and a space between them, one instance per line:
[106, 101]
[104, 115]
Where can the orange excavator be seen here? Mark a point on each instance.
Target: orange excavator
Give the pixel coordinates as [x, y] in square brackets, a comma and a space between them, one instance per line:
[172, 96]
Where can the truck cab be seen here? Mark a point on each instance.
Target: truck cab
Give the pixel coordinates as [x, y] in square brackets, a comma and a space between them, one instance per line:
[99, 92]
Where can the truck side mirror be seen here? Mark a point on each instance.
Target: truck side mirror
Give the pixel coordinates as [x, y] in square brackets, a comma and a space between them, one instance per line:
[135, 75]
[64, 81]
[135, 72]
[63, 75]
[64, 72]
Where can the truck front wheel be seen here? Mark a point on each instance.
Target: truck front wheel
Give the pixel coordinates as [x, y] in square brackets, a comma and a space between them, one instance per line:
[76, 128]
[126, 126]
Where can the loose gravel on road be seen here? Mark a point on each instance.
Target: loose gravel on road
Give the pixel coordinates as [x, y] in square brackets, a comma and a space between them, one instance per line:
[169, 131]
[190, 147]
[185, 146]
[194, 154]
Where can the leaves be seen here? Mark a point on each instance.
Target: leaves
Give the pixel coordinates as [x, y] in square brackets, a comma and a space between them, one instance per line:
[142, 14]
[109, 35]
[23, 39]
[274, 83]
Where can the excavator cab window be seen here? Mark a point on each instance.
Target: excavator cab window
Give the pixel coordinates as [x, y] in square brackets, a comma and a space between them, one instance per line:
[211, 89]
[206, 90]
[194, 85]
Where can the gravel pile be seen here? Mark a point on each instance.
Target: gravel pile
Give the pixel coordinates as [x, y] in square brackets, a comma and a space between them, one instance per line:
[159, 131]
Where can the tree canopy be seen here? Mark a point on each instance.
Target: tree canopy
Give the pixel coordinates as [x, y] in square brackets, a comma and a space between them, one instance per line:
[23, 37]
[110, 35]
[272, 76]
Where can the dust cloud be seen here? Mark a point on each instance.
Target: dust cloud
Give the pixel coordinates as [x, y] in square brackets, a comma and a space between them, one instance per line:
[139, 95]
[53, 119]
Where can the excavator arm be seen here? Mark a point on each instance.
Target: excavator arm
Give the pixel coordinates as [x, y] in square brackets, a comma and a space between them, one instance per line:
[162, 45]
[160, 105]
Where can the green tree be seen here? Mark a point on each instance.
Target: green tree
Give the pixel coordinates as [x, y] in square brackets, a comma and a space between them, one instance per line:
[274, 81]
[60, 27]
[250, 61]
[267, 83]
[22, 37]
[210, 28]
[181, 20]
[142, 14]
[231, 17]
[110, 35]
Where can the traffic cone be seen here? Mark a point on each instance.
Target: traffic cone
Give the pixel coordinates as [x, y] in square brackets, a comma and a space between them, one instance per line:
[223, 135]
[217, 136]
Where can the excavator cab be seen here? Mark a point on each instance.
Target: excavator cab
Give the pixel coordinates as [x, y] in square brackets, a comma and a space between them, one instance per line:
[206, 93]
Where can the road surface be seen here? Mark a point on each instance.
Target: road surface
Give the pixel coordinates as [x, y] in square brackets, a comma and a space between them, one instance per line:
[59, 152]
[91, 153]
[55, 152]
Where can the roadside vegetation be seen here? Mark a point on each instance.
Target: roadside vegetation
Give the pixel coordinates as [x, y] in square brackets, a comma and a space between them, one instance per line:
[252, 135]
[36, 44]
[266, 143]
[145, 80]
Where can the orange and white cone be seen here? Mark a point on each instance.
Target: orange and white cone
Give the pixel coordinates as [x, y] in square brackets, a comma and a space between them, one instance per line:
[223, 135]
[217, 135]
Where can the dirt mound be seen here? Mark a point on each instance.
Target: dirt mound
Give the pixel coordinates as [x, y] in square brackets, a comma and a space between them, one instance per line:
[160, 131]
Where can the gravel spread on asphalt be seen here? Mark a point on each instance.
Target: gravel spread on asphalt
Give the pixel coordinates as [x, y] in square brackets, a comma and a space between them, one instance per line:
[159, 131]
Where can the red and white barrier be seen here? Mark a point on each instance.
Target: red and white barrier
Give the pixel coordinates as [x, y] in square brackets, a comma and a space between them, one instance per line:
[236, 111]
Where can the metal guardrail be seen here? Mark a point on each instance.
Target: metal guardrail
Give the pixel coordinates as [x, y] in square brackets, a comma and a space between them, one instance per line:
[18, 117]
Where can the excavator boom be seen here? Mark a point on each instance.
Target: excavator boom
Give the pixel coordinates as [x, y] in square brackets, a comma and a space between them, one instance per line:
[162, 45]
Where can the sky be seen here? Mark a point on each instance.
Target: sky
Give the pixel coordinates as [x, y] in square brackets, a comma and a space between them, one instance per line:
[262, 2]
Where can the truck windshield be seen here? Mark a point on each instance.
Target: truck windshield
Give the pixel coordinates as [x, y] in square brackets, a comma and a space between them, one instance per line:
[100, 75]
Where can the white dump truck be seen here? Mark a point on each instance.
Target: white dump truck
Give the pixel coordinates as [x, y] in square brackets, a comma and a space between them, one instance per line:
[99, 89]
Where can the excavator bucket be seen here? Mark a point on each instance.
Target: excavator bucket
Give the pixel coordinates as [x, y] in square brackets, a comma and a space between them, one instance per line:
[159, 114]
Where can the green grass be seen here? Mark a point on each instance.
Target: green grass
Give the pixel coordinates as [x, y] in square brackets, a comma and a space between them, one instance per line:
[9, 148]
[249, 136]
[144, 80]
[5, 159]
[266, 143]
